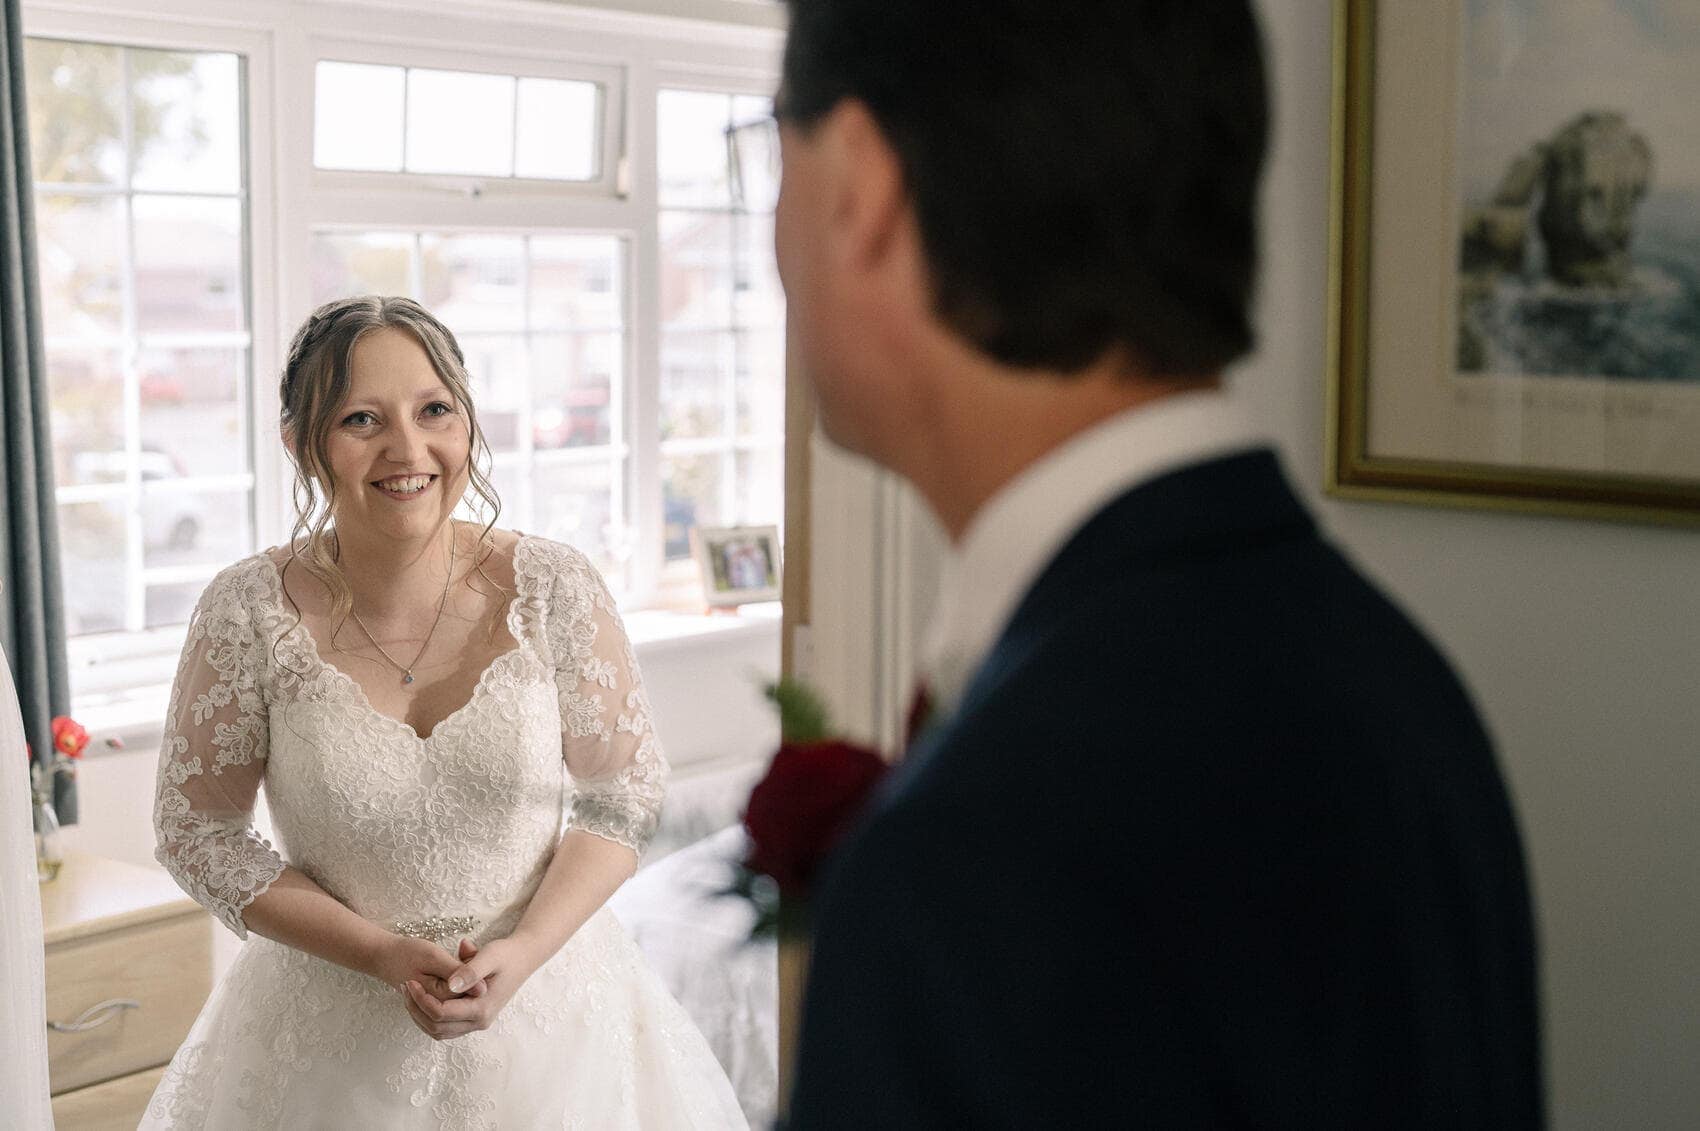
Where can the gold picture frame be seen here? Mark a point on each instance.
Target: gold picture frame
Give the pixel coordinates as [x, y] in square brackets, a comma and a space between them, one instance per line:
[1405, 423]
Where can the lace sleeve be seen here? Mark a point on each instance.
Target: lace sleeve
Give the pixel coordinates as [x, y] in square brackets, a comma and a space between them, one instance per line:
[212, 759]
[619, 773]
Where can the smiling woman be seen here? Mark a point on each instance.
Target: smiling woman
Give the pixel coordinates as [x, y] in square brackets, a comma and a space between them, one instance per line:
[434, 939]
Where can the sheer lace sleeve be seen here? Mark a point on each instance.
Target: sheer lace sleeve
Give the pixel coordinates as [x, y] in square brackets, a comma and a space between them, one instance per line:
[214, 754]
[619, 773]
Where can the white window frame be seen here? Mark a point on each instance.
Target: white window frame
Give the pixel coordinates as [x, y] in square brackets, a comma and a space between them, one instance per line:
[632, 55]
[681, 576]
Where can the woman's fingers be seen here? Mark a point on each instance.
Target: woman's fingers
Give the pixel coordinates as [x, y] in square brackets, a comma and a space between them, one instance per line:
[430, 1006]
[455, 1009]
[434, 966]
[426, 1025]
[428, 1015]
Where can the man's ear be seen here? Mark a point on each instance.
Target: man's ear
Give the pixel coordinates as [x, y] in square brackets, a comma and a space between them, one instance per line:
[869, 201]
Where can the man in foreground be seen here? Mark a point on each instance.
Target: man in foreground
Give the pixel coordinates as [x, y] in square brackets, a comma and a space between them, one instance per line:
[1204, 833]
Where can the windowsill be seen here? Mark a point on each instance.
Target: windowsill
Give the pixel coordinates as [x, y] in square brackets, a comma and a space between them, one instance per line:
[136, 720]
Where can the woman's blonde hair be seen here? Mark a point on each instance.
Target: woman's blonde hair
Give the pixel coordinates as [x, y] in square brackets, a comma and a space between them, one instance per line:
[314, 385]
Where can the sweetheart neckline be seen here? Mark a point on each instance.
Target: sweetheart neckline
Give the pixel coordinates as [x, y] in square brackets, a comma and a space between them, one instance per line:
[311, 645]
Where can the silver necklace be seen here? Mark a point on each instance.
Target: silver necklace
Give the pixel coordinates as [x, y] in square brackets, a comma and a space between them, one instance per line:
[407, 672]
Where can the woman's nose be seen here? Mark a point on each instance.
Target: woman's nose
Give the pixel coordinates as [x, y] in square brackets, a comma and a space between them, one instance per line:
[405, 445]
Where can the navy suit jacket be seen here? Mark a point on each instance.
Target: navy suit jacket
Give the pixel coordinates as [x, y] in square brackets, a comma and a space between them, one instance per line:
[1214, 839]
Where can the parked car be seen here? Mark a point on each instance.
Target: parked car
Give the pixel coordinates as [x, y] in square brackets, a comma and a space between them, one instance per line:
[577, 418]
[171, 520]
[161, 388]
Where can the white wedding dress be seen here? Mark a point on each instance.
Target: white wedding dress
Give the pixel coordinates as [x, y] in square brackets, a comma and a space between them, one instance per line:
[439, 837]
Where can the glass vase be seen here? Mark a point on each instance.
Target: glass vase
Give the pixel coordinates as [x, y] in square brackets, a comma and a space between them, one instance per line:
[49, 856]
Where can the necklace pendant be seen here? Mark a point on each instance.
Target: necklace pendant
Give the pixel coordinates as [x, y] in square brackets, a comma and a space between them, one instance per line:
[407, 677]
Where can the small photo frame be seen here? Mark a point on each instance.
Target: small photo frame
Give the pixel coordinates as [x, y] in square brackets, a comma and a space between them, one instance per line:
[740, 564]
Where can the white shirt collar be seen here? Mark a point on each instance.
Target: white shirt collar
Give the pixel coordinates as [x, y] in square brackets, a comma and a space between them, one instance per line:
[1017, 532]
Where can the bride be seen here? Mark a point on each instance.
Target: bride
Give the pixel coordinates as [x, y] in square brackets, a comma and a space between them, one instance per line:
[420, 699]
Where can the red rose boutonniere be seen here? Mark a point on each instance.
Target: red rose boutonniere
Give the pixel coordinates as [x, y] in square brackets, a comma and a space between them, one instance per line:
[798, 812]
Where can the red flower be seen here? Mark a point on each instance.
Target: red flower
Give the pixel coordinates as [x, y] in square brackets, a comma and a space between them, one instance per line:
[69, 738]
[804, 805]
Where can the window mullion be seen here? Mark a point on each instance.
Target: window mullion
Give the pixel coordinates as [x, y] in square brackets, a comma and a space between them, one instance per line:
[135, 589]
[647, 513]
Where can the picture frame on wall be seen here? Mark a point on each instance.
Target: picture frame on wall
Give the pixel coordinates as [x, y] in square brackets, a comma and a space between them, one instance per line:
[739, 564]
[1514, 306]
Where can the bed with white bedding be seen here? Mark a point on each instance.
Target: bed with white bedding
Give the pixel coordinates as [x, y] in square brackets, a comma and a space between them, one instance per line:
[697, 940]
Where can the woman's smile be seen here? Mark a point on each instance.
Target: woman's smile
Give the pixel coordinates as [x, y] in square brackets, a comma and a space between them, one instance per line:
[404, 487]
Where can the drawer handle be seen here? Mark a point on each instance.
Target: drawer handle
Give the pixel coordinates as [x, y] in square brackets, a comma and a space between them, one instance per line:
[95, 1015]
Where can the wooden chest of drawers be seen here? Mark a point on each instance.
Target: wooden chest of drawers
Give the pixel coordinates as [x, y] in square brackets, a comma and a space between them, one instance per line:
[129, 965]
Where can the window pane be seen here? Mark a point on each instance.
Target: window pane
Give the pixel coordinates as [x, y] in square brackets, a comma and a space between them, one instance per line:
[760, 382]
[96, 581]
[87, 390]
[80, 248]
[187, 125]
[191, 410]
[755, 288]
[759, 486]
[696, 269]
[751, 108]
[374, 263]
[171, 604]
[690, 496]
[510, 484]
[188, 263]
[496, 363]
[76, 111]
[460, 123]
[357, 116]
[475, 283]
[183, 526]
[695, 366]
[574, 378]
[558, 132]
[576, 282]
[691, 151]
[574, 504]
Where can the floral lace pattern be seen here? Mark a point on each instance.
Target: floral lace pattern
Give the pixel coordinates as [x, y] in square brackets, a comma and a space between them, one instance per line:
[462, 822]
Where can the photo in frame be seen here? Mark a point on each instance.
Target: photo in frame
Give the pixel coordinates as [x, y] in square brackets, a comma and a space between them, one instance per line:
[739, 564]
[1514, 308]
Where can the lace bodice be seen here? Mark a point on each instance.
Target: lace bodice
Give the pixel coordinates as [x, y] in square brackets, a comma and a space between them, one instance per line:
[400, 828]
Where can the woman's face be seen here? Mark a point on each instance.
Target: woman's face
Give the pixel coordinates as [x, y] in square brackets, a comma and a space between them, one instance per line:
[399, 447]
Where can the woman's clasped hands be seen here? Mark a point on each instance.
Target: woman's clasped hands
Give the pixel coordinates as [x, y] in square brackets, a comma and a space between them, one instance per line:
[447, 998]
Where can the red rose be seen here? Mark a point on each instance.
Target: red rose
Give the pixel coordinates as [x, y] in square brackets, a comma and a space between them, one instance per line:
[804, 805]
[69, 738]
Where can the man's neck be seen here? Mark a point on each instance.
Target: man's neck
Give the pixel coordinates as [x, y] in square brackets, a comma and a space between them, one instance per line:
[993, 427]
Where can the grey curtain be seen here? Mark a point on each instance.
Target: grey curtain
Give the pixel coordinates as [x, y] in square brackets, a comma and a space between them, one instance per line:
[32, 627]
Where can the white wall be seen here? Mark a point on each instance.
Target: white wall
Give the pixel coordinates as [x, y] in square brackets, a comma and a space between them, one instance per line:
[1581, 641]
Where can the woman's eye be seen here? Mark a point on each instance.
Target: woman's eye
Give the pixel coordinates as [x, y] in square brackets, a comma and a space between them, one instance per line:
[358, 419]
[438, 408]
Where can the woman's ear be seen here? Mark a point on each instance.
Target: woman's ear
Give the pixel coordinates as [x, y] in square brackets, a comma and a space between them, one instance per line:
[287, 435]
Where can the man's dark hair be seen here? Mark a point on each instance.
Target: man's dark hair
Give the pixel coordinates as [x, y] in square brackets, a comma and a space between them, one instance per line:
[1084, 171]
